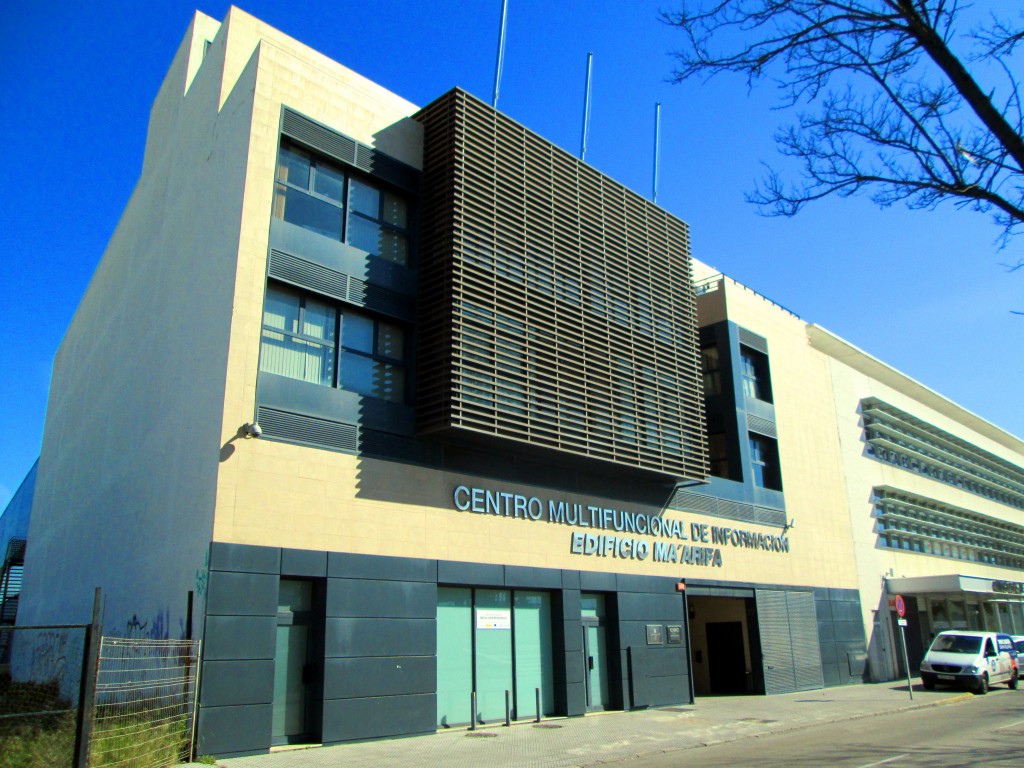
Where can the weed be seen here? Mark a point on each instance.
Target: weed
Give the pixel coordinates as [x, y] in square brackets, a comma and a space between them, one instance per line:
[137, 742]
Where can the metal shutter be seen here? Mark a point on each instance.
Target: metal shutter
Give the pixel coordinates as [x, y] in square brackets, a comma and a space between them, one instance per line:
[803, 629]
[791, 655]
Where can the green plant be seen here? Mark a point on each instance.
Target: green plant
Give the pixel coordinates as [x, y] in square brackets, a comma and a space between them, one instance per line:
[135, 742]
[34, 740]
[48, 741]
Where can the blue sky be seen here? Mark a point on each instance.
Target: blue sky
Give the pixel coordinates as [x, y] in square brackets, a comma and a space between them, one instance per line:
[925, 292]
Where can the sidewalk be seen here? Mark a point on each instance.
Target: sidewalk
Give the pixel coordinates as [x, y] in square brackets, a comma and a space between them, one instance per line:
[600, 738]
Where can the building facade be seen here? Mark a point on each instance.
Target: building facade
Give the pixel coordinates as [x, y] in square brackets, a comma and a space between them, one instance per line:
[437, 424]
[936, 499]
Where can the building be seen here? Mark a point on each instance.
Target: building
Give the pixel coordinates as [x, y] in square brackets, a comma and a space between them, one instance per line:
[13, 539]
[429, 416]
[933, 491]
[936, 498]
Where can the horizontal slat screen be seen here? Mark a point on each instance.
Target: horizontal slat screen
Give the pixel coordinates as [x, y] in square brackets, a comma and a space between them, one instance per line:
[339, 285]
[308, 430]
[556, 306]
[347, 150]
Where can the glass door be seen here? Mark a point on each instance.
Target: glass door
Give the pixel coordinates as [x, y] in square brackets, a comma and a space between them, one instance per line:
[292, 668]
[454, 655]
[490, 641]
[493, 652]
[534, 660]
[595, 652]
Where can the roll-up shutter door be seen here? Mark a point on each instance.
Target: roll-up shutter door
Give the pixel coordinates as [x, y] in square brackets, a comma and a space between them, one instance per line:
[790, 652]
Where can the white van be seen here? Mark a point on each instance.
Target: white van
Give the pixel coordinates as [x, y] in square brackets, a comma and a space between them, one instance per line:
[971, 659]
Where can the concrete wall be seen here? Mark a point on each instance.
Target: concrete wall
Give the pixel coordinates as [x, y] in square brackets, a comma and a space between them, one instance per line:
[291, 75]
[379, 661]
[156, 373]
[127, 472]
[14, 519]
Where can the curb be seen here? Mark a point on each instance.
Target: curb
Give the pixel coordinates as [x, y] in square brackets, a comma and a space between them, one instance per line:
[838, 719]
[725, 737]
[907, 707]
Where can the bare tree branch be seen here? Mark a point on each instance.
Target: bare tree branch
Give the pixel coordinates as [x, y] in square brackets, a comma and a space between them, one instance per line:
[898, 115]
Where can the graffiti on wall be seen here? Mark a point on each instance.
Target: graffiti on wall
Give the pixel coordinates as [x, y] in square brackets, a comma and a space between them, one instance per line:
[50, 656]
[203, 577]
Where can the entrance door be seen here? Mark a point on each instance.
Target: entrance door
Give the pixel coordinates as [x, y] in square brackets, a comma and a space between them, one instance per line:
[595, 653]
[294, 708]
[726, 657]
[595, 670]
[912, 637]
[490, 641]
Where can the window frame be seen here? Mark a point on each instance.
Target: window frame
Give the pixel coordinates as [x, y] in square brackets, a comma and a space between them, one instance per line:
[711, 354]
[766, 469]
[348, 175]
[755, 374]
[337, 344]
[303, 297]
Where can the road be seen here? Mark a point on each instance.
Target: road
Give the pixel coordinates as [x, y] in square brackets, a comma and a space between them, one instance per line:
[983, 731]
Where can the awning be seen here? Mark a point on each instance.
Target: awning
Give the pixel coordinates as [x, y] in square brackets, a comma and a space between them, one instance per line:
[917, 585]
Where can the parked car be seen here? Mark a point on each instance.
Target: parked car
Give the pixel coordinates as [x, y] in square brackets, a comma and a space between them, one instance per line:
[1018, 653]
[973, 660]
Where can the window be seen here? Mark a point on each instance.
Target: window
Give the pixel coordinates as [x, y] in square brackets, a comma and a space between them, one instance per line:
[492, 343]
[372, 357]
[712, 369]
[378, 221]
[756, 381]
[313, 193]
[309, 193]
[300, 336]
[718, 454]
[764, 461]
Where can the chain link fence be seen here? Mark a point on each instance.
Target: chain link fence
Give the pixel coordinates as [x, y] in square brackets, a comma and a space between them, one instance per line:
[145, 698]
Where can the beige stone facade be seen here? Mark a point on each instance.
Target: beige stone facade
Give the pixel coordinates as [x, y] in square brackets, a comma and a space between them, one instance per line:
[397, 543]
[964, 455]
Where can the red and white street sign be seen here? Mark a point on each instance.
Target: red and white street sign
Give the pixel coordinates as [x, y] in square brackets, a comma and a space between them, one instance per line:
[900, 605]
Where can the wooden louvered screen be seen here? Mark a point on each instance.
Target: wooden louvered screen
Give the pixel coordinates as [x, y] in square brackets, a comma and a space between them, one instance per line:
[556, 306]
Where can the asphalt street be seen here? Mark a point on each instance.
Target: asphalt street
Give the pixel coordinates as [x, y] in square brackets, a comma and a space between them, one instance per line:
[981, 731]
[852, 726]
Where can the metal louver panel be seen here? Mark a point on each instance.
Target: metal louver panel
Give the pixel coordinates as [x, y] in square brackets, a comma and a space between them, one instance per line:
[308, 430]
[694, 502]
[556, 306]
[318, 137]
[316, 277]
[761, 426]
[686, 501]
[347, 150]
[803, 629]
[776, 647]
[752, 340]
[791, 654]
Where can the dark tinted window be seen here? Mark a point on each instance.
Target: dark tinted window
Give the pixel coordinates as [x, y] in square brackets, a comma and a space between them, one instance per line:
[956, 644]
